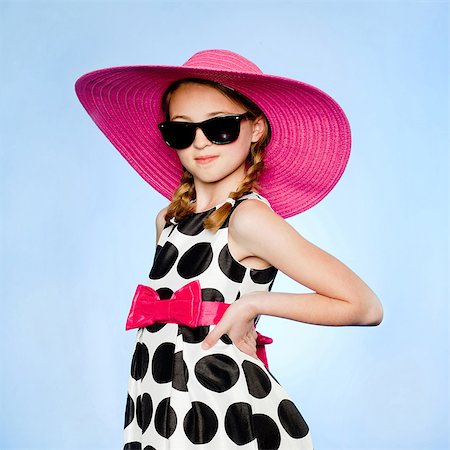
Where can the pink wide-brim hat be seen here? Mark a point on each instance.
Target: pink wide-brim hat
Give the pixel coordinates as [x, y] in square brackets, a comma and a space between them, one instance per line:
[310, 134]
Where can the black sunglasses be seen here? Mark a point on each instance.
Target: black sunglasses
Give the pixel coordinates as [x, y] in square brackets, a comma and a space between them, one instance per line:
[219, 130]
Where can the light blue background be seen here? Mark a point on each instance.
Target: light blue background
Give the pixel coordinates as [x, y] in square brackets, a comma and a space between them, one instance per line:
[78, 229]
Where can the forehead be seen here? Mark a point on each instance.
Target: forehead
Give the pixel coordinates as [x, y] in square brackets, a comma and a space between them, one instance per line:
[200, 97]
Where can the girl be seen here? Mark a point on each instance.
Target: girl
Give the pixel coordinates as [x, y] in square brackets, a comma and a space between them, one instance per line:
[235, 151]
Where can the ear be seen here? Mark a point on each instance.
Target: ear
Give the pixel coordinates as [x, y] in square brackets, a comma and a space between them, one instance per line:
[259, 127]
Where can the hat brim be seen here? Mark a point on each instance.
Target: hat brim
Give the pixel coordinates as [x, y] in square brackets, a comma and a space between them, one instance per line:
[310, 134]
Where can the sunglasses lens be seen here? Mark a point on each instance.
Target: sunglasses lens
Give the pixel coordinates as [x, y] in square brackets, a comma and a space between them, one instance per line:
[222, 130]
[177, 135]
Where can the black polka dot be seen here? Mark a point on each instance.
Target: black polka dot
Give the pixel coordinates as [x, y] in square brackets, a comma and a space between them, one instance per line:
[217, 372]
[193, 225]
[212, 295]
[267, 432]
[291, 419]
[164, 293]
[200, 423]
[132, 446]
[162, 362]
[258, 383]
[157, 250]
[229, 266]
[129, 411]
[193, 335]
[226, 339]
[165, 418]
[180, 372]
[164, 260]
[139, 363]
[144, 411]
[263, 276]
[238, 423]
[195, 260]
[155, 327]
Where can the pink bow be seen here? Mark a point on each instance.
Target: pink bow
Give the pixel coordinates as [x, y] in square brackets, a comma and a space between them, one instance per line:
[182, 308]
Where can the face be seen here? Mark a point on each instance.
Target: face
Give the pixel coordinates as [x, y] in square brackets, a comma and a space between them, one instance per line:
[196, 103]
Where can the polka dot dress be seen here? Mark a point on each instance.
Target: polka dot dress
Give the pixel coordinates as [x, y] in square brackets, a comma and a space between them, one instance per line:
[181, 396]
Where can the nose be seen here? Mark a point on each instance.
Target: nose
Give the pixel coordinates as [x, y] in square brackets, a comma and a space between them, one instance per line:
[200, 140]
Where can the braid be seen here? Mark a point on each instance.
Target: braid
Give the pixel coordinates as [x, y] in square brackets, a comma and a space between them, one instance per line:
[180, 206]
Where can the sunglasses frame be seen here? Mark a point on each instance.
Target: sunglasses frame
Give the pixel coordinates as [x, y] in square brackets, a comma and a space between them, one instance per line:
[192, 127]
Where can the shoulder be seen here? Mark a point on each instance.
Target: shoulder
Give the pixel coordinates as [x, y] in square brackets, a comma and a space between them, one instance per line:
[259, 231]
[249, 209]
[252, 216]
[160, 218]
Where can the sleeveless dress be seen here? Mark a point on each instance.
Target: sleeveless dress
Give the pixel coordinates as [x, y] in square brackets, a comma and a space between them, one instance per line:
[181, 396]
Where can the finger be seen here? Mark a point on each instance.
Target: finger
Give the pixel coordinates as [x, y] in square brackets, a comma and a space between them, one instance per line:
[211, 338]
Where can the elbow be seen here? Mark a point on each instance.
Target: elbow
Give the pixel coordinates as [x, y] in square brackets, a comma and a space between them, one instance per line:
[376, 316]
[371, 312]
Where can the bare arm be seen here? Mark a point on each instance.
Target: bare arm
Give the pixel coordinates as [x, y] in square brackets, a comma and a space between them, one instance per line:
[340, 298]
[160, 222]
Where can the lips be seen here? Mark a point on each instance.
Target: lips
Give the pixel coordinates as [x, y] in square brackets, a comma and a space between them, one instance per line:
[206, 159]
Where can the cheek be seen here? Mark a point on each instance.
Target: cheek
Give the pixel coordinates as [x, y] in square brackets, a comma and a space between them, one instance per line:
[239, 153]
[241, 148]
[182, 156]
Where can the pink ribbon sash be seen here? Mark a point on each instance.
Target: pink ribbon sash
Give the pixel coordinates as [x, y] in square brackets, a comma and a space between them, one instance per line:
[185, 307]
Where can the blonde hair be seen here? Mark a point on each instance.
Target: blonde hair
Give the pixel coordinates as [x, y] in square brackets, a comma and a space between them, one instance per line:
[181, 206]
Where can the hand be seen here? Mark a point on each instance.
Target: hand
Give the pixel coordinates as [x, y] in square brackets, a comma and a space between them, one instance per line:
[238, 323]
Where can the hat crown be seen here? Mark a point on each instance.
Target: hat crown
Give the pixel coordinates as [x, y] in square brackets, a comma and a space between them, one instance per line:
[221, 60]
